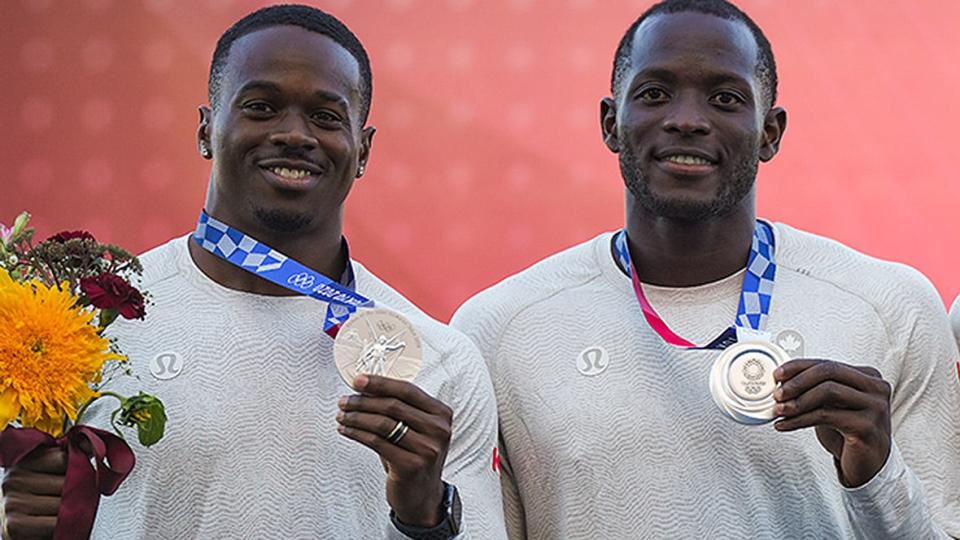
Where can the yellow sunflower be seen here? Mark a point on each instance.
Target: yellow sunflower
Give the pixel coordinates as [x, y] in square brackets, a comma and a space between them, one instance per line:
[50, 352]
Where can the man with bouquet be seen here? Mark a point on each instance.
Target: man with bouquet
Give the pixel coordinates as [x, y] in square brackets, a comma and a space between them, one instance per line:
[263, 434]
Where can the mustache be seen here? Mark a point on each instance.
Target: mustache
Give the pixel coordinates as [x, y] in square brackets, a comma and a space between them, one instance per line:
[293, 154]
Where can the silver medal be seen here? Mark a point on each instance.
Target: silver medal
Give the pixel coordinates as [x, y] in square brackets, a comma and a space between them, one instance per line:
[377, 342]
[742, 383]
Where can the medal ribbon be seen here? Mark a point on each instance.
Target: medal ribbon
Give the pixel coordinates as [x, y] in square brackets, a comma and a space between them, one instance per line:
[755, 295]
[260, 259]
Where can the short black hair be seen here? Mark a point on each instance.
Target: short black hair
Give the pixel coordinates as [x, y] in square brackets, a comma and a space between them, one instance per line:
[766, 70]
[306, 17]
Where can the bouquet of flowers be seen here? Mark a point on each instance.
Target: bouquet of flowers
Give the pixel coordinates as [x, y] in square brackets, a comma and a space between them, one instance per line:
[56, 300]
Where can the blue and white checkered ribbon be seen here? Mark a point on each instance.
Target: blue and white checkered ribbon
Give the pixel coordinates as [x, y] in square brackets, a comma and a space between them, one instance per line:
[257, 258]
[755, 295]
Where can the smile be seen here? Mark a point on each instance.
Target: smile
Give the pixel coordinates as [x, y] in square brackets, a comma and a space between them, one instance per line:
[291, 174]
[683, 164]
[687, 160]
[290, 177]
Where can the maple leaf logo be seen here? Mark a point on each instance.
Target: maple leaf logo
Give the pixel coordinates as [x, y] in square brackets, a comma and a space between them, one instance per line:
[789, 343]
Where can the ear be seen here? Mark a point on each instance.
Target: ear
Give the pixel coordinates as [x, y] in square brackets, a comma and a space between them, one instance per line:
[203, 133]
[608, 124]
[774, 125]
[366, 142]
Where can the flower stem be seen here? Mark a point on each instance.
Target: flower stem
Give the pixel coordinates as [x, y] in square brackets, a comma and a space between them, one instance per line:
[83, 409]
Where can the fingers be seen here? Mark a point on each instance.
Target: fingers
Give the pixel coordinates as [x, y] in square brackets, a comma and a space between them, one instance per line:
[851, 400]
[401, 400]
[849, 423]
[29, 482]
[392, 453]
[404, 391]
[382, 427]
[828, 394]
[369, 418]
[31, 505]
[46, 460]
[799, 376]
[396, 410]
[29, 527]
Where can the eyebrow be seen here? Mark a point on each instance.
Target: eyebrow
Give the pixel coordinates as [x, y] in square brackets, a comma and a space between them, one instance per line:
[720, 78]
[655, 73]
[712, 79]
[274, 88]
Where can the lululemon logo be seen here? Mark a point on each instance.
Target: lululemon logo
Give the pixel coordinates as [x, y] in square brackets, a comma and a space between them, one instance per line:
[166, 365]
[593, 361]
[302, 280]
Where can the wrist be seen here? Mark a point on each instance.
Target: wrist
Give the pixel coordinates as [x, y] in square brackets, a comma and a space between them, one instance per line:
[447, 528]
[428, 513]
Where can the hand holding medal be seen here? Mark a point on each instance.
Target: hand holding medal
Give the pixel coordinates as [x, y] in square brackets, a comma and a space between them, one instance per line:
[848, 405]
[377, 352]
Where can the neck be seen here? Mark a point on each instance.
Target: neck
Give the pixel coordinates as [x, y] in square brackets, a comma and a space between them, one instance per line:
[319, 248]
[675, 253]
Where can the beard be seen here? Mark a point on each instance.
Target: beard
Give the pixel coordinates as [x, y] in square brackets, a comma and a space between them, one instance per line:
[281, 221]
[731, 192]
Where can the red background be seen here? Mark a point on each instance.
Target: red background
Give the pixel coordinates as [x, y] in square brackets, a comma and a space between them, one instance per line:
[488, 155]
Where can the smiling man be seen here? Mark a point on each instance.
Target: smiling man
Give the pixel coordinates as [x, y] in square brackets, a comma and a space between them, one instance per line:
[634, 372]
[264, 439]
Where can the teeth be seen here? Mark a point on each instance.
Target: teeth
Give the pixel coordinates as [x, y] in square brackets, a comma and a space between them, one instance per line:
[293, 174]
[687, 160]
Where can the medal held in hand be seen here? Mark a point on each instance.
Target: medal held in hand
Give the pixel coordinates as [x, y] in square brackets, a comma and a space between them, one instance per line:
[377, 342]
[742, 382]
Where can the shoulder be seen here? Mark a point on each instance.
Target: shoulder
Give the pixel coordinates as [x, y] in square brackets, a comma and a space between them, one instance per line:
[164, 261]
[894, 290]
[483, 316]
[955, 319]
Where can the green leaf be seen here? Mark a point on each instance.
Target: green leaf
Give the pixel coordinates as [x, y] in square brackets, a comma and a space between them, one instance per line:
[147, 413]
[151, 431]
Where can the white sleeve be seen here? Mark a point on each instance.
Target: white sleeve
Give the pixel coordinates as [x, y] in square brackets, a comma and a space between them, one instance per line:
[512, 503]
[891, 505]
[917, 493]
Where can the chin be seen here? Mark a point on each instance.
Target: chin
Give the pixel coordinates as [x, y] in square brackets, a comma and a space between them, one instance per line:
[684, 209]
[282, 221]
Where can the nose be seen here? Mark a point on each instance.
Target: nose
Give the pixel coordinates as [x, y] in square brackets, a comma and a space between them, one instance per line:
[685, 117]
[294, 132]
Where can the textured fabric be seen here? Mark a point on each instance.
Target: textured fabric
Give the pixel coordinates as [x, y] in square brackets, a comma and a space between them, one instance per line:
[252, 449]
[955, 319]
[608, 432]
[756, 289]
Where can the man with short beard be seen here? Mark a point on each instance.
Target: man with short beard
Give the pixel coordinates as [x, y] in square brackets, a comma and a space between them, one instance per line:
[631, 407]
[264, 439]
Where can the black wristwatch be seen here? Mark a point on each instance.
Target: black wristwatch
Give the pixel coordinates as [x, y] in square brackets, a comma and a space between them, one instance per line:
[451, 509]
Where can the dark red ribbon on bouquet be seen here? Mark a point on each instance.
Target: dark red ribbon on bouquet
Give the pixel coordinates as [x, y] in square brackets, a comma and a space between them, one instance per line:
[84, 482]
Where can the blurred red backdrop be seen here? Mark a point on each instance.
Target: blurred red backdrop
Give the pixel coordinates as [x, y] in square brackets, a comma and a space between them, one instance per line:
[488, 155]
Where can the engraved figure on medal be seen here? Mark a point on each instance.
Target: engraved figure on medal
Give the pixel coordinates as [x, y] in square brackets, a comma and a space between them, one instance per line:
[377, 342]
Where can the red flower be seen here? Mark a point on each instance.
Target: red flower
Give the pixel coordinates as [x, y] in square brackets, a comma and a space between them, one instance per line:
[110, 291]
[63, 236]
